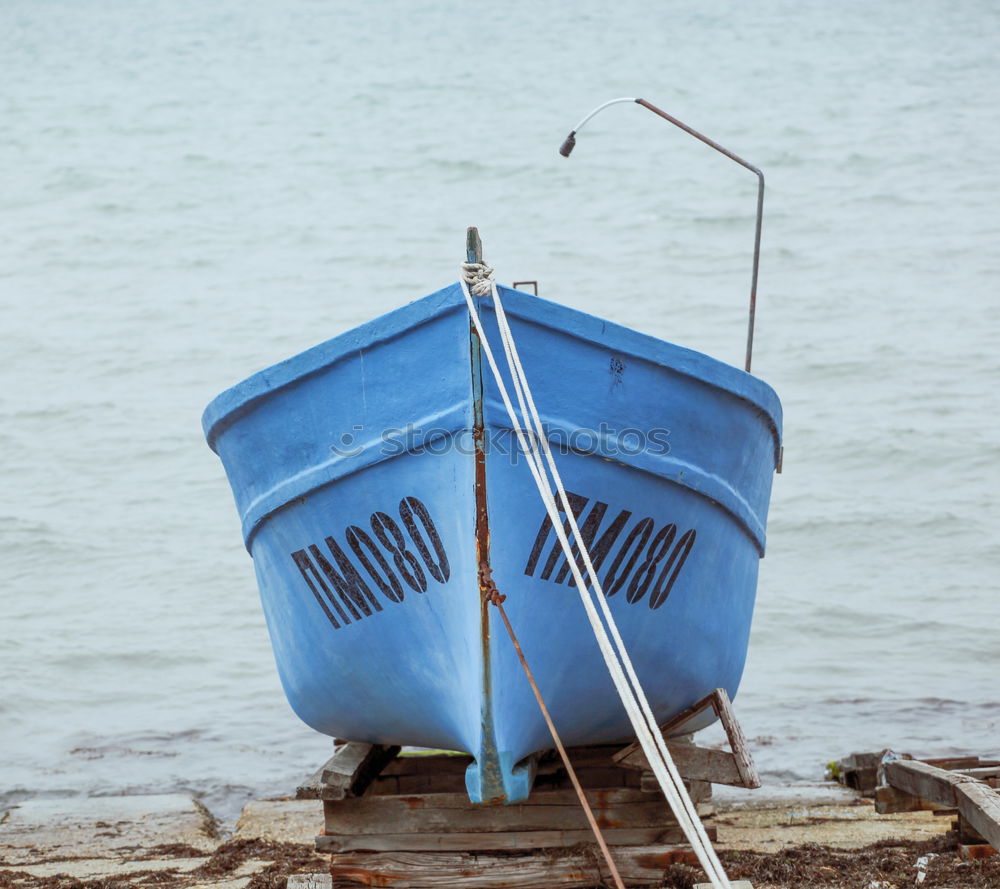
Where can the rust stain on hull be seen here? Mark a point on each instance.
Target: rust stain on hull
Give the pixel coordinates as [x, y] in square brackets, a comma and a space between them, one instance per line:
[491, 778]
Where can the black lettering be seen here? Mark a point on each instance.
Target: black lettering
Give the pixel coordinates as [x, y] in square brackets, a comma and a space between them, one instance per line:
[536, 549]
[353, 591]
[439, 568]
[665, 583]
[598, 552]
[576, 503]
[389, 583]
[643, 576]
[306, 567]
[406, 563]
[613, 581]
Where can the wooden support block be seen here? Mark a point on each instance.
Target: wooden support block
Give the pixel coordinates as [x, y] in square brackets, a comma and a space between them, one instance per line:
[694, 763]
[966, 833]
[579, 866]
[859, 771]
[453, 813]
[499, 840]
[977, 803]
[354, 766]
[701, 763]
[348, 772]
[889, 800]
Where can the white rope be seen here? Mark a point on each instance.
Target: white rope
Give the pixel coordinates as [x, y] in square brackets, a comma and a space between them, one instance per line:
[478, 276]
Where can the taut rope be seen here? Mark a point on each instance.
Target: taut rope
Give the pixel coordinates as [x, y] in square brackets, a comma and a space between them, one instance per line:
[479, 277]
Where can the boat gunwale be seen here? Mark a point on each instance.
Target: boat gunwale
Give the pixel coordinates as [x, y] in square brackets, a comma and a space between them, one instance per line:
[227, 407]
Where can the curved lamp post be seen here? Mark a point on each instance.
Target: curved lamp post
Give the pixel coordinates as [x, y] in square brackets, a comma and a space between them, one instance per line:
[570, 144]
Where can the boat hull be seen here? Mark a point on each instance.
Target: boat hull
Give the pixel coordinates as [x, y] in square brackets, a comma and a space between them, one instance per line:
[376, 473]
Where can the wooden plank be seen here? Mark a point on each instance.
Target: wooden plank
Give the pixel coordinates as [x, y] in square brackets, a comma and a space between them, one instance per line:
[889, 800]
[694, 763]
[975, 801]
[485, 841]
[923, 780]
[311, 787]
[453, 813]
[980, 806]
[737, 741]
[954, 763]
[982, 772]
[579, 867]
[353, 767]
[310, 881]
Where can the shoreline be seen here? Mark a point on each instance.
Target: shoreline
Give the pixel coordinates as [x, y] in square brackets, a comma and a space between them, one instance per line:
[830, 837]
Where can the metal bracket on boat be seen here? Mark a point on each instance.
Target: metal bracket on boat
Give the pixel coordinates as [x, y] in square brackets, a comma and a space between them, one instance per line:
[570, 144]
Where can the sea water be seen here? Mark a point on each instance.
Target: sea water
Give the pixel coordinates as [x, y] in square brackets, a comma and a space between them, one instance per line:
[194, 191]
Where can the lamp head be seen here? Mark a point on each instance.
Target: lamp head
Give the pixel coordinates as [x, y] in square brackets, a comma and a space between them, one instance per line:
[569, 144]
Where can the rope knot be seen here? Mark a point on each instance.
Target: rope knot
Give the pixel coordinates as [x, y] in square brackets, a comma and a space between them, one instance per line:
[479, 277]
[486, 583]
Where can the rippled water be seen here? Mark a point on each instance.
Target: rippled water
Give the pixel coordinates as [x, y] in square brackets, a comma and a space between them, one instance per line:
[193, 191]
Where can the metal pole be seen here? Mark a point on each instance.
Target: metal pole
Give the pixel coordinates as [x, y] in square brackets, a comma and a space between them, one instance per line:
[570, 144]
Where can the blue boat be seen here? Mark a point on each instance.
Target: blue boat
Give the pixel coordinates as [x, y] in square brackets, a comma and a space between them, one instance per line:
[376, 472]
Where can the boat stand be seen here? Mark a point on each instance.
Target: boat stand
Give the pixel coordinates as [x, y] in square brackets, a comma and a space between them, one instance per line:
[403, 819]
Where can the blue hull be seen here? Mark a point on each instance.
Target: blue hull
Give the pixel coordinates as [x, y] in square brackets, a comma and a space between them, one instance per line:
[374, 472]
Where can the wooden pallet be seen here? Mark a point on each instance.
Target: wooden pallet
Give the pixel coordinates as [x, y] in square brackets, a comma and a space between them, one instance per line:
[967, 787]
[404, 819]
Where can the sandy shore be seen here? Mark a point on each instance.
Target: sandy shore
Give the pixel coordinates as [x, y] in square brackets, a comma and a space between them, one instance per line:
[171, 841]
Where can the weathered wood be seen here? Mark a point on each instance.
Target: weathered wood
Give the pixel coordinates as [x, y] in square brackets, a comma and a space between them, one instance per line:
[313, 785]
[737, 740]
[352, 768]
[965, 832]
[982, 772]
[699, 791]
[954, 763]
[859, 771]
[349, 772]
[889, 800]
[975, 801]
[486, 841]
[694, 763]
[980, 806]
[310, 881]
[580, 866]
[452, 812]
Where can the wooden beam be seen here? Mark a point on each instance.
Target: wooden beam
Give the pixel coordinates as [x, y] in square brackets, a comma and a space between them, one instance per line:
[495, 840]
[975, 801]
[578, 867]
[348, 772]
[693, 763]
[889, 800]
[736, 768]
[453, 813]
